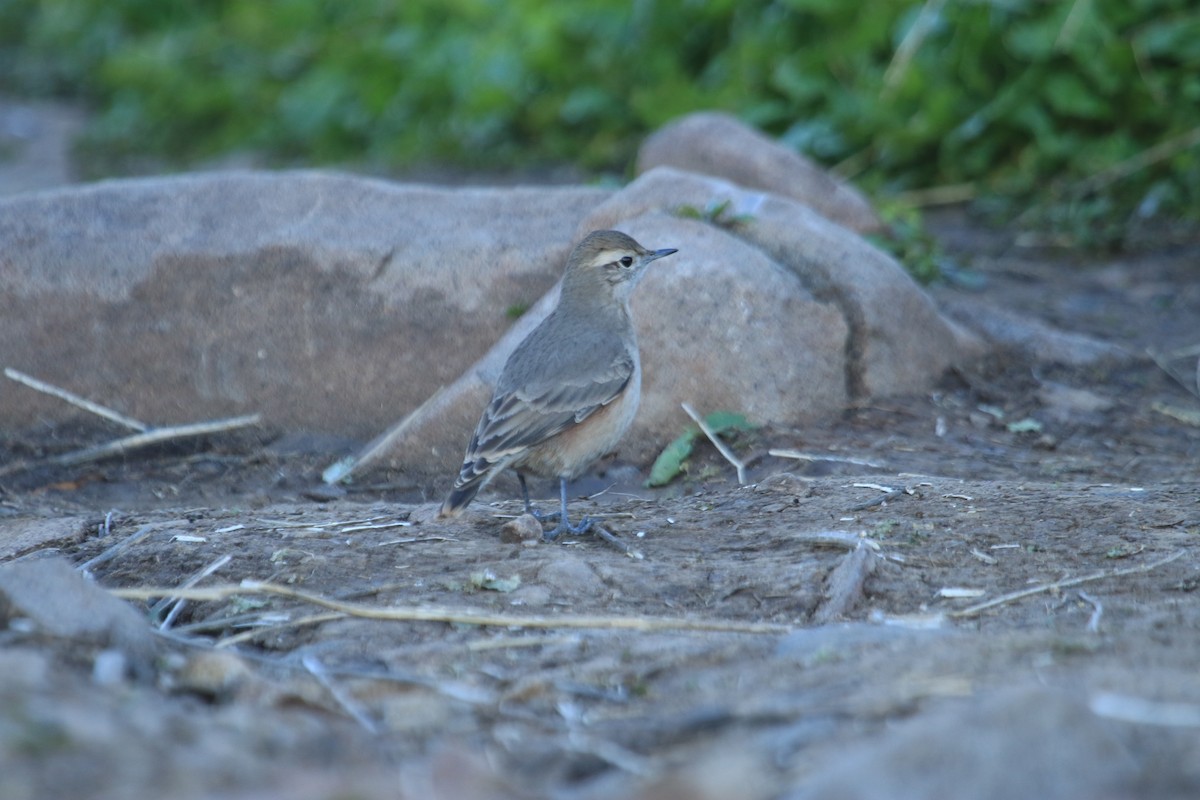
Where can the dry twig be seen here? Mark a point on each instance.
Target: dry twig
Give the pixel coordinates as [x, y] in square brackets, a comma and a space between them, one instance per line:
[1136, 163]
[343, 469]
[798, 456]
[717, 443]
[342, 698]
[1093, 625]
[189, 583]
[153, 437]
[453, 615]
[299, 622]
[845, 586]
[1057, 585]
[115, 550]
[613, 540]
[1145, 712]
[909, 46]
[75, 400]
[1164, 362]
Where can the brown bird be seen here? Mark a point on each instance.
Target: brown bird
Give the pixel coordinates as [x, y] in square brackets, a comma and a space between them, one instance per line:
[569, 391]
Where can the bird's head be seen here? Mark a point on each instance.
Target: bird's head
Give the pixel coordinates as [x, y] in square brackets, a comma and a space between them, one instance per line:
[606, 264]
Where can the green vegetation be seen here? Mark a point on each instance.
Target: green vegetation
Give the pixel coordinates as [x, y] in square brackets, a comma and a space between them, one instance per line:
[1083, 115]
[673, 460]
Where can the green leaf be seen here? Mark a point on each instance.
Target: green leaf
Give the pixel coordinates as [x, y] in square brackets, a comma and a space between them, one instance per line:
[1027, 425]
[487, 580]
[1070, 96]
[669, 464]
[722, 421]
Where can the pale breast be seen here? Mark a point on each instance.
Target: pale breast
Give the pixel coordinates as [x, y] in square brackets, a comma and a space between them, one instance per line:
[571, 452]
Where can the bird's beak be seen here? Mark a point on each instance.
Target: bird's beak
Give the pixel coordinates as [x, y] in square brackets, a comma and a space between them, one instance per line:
[660, 253]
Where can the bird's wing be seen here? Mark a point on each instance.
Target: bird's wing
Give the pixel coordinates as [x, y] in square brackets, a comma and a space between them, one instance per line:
[526, 416]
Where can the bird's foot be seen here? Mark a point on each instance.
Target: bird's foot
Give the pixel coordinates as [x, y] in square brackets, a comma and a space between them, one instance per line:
[542, 516]
[564, 526]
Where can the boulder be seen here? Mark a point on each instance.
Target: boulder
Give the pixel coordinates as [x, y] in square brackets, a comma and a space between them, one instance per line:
[719, 326]
[337, 304]
[326, 302]
[971, 748]
[898, 341]
[770, 310]
[713, 143]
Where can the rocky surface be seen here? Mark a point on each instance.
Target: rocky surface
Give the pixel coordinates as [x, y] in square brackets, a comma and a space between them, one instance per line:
[1054, 481]
[334, 304]
[718, 144]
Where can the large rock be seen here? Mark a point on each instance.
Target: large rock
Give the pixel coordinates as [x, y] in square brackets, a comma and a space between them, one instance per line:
[326, 302]
[781, 315]
[898, 342]
[1019, 742]
[714, 322]
[713, 143]
[337, 304]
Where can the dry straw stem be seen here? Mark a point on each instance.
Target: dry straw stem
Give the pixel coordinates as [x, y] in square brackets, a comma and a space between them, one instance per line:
[299, 622]
[340, 695]
[1093, 625]
[909, 46]
[452, 615]
[946, 195]
[380, 446]
[1057, 585]
[116, 549]
[798, 456]
[75, 400]
[190, 582]
[1165, 361]
[153, 437]
[612, 539]
[717, 443]
[145, 436]
[136, 442]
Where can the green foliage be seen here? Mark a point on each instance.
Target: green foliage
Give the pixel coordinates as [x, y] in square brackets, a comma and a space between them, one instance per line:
[1052, 107]
[909, 242]
[672, 461]
[716, 214]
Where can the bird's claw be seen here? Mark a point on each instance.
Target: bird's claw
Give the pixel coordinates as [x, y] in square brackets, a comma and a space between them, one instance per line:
[584, 526]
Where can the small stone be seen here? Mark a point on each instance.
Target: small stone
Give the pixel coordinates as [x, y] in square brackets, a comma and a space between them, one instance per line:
[524, 530]
[110, 668]
[324, 492]
[58, 601]
[215, 675]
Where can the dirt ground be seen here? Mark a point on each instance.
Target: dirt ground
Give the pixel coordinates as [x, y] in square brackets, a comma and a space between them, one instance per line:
[816, 633]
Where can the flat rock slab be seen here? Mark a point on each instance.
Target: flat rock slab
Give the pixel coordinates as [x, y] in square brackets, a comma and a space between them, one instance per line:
[326, 302]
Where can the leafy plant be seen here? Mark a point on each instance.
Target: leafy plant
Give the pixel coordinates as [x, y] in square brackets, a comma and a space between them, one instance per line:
[672, 461]
[716, 213]
[1079, 118]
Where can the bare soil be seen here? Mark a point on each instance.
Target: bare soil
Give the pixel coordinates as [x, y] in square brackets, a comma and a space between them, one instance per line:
[869, 674]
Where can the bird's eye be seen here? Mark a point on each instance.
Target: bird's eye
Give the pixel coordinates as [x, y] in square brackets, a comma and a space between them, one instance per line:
[626, 261]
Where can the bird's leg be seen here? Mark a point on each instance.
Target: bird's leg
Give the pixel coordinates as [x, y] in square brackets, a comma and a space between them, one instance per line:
[540, 516]
[564, 523]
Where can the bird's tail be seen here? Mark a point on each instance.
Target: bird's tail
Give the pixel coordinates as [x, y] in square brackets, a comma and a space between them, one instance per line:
[473, 476]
